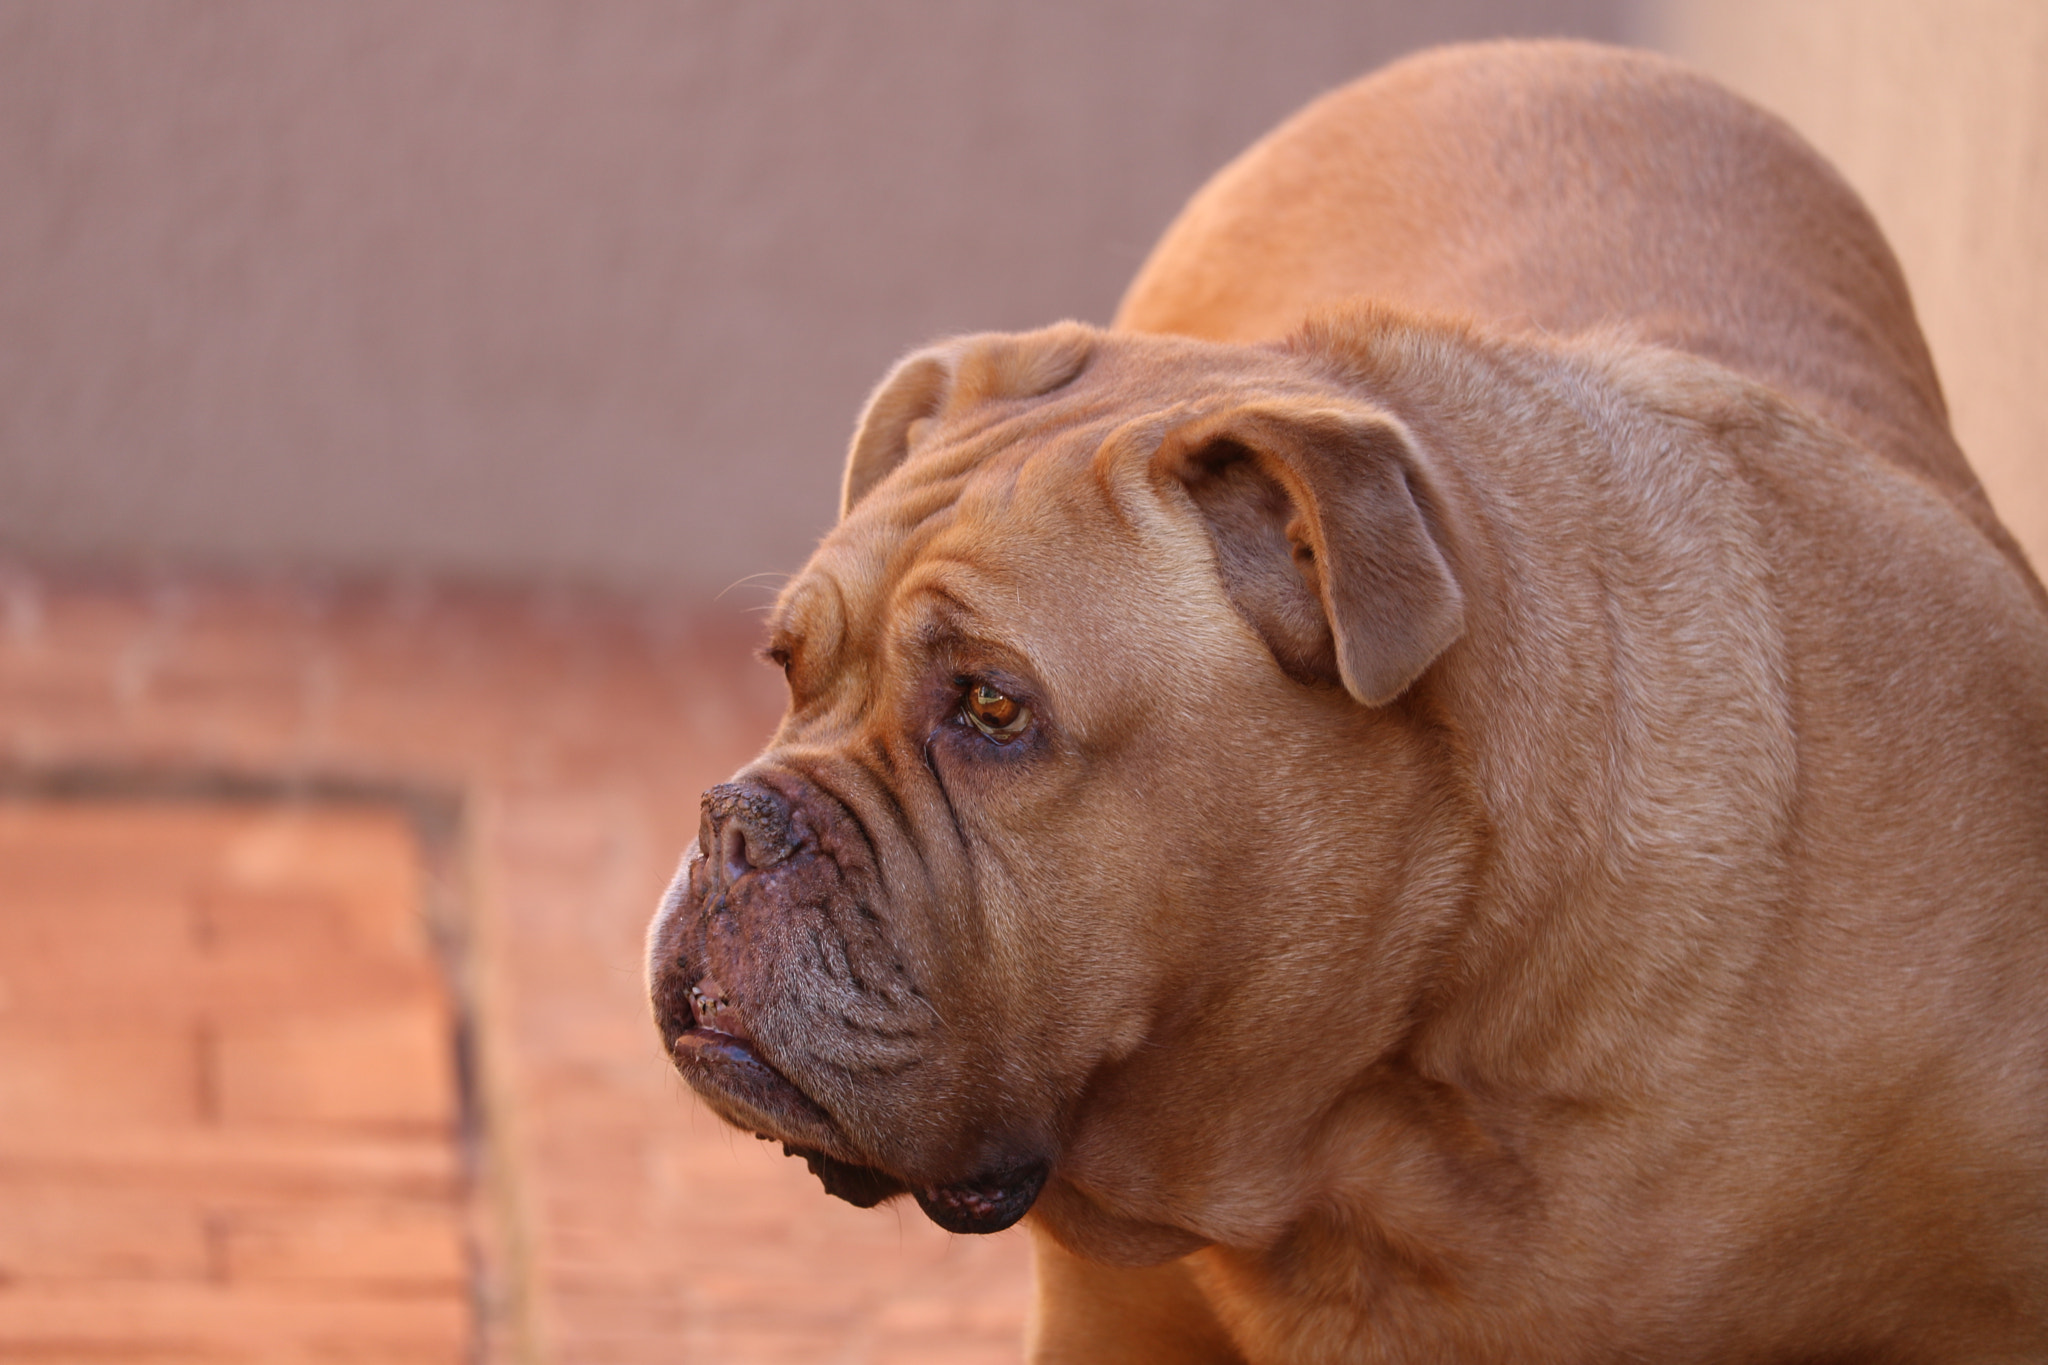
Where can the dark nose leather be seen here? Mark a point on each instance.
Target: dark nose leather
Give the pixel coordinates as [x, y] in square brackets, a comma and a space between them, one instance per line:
[745, 827]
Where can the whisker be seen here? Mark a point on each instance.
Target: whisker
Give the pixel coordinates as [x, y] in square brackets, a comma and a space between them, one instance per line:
[749, 579]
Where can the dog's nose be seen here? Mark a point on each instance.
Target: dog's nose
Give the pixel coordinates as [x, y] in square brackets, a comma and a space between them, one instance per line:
[744, 827]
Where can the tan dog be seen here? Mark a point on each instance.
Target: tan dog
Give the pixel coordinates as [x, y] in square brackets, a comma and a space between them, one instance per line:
[1511, 824]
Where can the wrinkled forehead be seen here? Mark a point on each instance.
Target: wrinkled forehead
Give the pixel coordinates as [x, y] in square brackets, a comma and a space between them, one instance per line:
[968, 529]
[1008, 511]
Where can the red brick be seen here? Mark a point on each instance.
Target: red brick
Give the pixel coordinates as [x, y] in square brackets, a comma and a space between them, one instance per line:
[234, 1163]
[129, 1321]
[391, 1066]
[97, 1073]
[53, 1229]
[227, 1108]
[402, 1248]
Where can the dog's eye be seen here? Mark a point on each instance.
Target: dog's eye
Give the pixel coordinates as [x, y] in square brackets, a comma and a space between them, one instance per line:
[995, 713]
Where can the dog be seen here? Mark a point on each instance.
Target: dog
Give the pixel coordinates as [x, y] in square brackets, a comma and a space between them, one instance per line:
[1468, 782]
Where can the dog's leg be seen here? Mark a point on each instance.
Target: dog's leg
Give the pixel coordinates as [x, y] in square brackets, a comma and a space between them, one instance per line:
[1089, 1314]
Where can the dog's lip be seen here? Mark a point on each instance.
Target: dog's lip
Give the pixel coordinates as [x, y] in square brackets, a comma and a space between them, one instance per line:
[718, 1055]
[728, 1070]
[720, 1059]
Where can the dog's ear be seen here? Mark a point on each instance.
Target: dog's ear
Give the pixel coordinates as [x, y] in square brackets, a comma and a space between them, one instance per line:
[913, 392]
[927, 384]
[1321, 516]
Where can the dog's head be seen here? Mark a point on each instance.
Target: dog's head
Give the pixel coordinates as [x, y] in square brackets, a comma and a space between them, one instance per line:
[1101, 823]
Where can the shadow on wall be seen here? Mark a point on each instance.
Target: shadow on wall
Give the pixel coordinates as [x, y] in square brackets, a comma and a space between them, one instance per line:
[570, 290]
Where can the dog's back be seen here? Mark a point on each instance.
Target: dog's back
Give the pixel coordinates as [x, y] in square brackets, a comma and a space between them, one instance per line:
[1562, 187]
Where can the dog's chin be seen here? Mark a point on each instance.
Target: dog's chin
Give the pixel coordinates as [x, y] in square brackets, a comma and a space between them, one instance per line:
[749, 1093]
[989, 1202]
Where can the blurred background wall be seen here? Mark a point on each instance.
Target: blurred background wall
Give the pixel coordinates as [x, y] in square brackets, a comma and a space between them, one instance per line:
[592, 291]
[573, 288]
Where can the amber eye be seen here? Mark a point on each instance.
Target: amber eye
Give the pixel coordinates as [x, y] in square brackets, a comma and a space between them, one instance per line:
[996, 714]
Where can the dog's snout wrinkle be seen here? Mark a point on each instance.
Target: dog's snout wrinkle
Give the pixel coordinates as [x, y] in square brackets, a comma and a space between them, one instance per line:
[745, 828]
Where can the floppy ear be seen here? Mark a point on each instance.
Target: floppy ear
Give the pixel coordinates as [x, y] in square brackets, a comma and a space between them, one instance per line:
[914, 391]
[961, 373]
[1317, 516]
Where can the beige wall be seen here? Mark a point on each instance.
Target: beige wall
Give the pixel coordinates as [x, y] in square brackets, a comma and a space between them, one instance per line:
[1937, 111]
[574, 288]
[592, 288]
